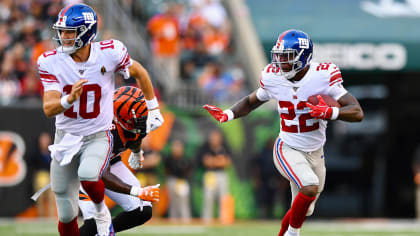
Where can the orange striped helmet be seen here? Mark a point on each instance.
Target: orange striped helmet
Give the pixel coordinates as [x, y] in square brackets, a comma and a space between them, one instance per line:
[130, 109]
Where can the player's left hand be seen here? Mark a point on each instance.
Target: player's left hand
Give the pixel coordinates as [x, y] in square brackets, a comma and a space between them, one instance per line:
[154, 120]
[136, 159]
[320, 111]
[150, 193]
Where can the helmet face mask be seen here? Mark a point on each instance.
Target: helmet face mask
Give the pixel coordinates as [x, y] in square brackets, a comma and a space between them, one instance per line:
[140, 126]
[80, 19]
[292, 53]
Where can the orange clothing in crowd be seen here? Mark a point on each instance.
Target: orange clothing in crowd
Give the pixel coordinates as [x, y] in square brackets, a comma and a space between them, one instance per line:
[165, 34]
[215, 42]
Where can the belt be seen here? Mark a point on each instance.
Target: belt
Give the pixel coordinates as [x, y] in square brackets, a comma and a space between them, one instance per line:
[99, 134]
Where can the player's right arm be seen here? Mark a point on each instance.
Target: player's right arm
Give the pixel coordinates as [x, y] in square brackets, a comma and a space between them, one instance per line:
[54, 103]
[241, 108]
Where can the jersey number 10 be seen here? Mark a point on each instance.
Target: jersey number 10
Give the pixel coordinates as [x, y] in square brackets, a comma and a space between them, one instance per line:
[96, 89]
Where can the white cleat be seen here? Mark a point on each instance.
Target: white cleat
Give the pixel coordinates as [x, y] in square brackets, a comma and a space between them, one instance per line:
[104, 223]
[288, 233]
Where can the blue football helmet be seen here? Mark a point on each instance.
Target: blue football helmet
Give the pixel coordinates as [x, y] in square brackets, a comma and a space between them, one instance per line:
[79, 18]
[293, 47]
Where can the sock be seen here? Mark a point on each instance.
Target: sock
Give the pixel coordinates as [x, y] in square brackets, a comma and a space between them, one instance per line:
[68, 229]
[88, 228]
[299, 209]
[95, 190]
[130, 219]
[285, 223]
[293, 230]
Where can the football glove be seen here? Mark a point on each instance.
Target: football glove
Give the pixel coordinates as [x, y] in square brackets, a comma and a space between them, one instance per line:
[136, 159]
[150, 193]
[320, 111]
[154, 120]
[217, 113]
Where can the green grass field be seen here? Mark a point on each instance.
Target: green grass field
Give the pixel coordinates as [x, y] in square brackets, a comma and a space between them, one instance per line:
[241, 228]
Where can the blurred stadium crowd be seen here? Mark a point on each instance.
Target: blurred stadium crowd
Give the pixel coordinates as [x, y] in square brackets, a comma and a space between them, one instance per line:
[191, 39]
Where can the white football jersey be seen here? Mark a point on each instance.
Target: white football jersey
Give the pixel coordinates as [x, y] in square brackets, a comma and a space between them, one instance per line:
[93, 111]
[297, 128]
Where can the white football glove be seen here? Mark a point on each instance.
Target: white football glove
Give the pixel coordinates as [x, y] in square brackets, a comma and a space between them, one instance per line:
[136, 159]
[154, 120]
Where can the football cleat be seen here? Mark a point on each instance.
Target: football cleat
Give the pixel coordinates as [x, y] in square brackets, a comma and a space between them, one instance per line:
[104, 223]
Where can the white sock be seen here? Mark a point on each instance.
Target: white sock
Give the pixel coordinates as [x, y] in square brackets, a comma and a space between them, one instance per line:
[100, 206]
[293, 230]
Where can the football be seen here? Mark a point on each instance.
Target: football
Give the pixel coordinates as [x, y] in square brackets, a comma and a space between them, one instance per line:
[328, 100]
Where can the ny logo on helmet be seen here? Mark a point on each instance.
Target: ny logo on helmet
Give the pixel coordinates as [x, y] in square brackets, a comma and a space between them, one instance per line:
[303, 43]
[89, 18]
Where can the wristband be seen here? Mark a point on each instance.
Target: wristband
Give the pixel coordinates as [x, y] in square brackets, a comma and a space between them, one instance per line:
[229, 114]
[152, 104]
[335, 113]
[65, 103]
[134, 191]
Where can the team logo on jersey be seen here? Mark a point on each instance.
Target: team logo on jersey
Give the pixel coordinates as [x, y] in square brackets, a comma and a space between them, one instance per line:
[89, 17]
[103, 70]
[12, 165]
[303, 43]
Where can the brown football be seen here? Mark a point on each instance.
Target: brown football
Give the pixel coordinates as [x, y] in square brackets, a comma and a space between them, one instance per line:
[328, 100]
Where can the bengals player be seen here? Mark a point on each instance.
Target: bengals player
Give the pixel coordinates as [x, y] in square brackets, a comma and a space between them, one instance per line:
[130, 115]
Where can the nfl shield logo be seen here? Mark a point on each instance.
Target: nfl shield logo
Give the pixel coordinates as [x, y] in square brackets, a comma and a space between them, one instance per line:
[81, 71]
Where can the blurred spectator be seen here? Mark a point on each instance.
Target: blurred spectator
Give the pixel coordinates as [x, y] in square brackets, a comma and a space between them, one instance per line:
[23, 37]
[269, 185]
[200, 56]
[416, 169]
[165, 36]
[178, 169]
[219, 84]
[148, 174]
[31, 86]
[215, 41]
[214, 157]
[214, 12]
[41, 160]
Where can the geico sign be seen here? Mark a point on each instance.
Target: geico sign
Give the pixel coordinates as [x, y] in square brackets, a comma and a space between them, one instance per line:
[363, 56]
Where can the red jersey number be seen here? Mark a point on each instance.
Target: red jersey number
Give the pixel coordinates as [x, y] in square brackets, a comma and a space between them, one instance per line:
[323, 66]
[107, 44]
[83, 111]
[291, 109]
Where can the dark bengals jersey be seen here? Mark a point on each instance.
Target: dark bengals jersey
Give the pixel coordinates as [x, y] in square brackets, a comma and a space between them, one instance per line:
[123, 140]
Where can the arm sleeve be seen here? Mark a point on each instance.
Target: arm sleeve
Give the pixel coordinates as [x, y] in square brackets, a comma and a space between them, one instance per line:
[124, 61]
[335, 89]
[262, 94]
[48, 79]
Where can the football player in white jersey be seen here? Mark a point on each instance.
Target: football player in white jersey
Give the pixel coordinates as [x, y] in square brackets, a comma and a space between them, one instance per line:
[78, 89]
[291, 78]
